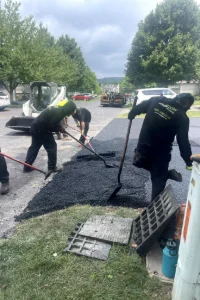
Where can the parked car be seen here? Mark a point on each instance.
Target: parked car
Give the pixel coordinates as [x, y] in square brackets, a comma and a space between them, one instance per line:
[81, 97]
[4, 101]
[89, 95]
[146, 94]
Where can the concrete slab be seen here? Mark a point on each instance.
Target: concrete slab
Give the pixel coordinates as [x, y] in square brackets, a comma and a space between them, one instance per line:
[154, 263]
[108, 228]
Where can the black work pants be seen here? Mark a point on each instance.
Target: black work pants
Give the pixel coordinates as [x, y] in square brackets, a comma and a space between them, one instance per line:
[157, 164]
[87, 123]
[42, 138]
[4, 175]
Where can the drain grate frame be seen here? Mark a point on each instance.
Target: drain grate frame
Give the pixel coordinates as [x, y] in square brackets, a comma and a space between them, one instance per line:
[85, 246]
[148, 227]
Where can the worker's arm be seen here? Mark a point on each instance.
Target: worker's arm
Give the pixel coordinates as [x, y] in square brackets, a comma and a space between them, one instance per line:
[82, 127]
[183, 142]
[141, 108]
[77, 122]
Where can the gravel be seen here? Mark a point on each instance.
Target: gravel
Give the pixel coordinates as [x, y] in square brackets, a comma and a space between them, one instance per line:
[90, 182]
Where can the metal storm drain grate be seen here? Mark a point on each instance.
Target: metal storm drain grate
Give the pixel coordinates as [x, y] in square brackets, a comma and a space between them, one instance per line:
[148, 227]
[108, 228]
[85, 246]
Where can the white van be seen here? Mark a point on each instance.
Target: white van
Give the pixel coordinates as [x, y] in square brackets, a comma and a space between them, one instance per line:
[146, 94]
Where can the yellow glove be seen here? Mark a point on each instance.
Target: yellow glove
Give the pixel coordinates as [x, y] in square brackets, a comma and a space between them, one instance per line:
[189, 168]
[82, 132]
[77, 125]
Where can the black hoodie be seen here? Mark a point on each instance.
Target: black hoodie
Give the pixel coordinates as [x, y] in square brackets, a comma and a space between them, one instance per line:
[50, 118]
[165, 119]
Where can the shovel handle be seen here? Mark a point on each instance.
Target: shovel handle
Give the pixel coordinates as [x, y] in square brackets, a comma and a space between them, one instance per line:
[99, 156]
[124, 151]
[23, 163]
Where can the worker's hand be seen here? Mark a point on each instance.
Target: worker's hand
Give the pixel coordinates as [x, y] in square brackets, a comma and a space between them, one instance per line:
[77, 125]
[82, 132]
[189, 168]
[131, 116]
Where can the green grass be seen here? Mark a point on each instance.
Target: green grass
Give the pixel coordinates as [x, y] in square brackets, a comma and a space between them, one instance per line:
[34, 267]
[125, 116]
[193, 114]
[197, 102]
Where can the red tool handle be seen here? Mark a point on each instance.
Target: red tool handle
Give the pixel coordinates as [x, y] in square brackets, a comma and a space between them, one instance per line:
[23, 163]
[195, 157]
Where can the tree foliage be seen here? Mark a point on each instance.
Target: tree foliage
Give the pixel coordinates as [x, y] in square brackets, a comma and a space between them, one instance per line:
[126, 86]
[166, 47]
[86, 80]
[28, 52]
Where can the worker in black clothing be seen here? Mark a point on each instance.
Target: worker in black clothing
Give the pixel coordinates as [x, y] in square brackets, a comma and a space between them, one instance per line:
[4, 176]
[42, 127]
[82, 117]
[165, 119]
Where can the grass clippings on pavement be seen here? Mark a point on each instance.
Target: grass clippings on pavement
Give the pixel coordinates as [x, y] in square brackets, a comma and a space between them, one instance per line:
[33, 265]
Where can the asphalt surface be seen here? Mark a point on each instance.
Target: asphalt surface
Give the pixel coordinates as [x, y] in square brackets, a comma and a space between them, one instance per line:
[23, 187]
[84, 181]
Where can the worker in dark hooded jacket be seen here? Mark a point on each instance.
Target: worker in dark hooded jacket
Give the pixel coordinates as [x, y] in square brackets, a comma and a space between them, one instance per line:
[42, 127]
[82, 118]
[165, 119]
[4, 176]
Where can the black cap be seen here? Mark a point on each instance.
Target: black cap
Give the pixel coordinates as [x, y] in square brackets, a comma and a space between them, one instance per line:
[185, 100]
[185, 97]
[69, 107]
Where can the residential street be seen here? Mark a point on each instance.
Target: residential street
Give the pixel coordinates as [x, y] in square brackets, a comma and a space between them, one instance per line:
[14, 143]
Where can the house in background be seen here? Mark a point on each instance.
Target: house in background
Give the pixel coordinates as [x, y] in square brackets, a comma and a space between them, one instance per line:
[192, 87]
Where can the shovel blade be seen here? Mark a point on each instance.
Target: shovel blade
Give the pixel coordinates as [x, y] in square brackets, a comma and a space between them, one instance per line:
[109, 166]
[115, 192]
[47, 174]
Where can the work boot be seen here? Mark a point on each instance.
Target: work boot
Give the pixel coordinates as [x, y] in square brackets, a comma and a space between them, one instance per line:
[5, 188]
[55, 170]
[27, 169]
[174, 175]
[59, 137]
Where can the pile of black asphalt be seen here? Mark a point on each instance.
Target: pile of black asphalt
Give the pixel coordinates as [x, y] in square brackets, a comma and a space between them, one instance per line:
[88, 181]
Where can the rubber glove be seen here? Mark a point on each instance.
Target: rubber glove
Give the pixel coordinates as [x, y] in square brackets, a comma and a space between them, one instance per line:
[189, 168]
[82, 132]
[77, 125]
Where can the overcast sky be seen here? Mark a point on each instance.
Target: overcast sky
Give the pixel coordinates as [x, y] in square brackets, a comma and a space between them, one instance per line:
[103, 29]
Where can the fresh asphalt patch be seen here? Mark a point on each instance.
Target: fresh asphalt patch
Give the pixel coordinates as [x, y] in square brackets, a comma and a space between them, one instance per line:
[88, 181]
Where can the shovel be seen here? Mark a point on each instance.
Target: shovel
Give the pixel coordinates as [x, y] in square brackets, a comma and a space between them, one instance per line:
[107, 165]
[47, 174]
[85, 137]
[121, 163]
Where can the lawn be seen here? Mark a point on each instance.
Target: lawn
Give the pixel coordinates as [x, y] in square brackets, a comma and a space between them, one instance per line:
[191, 114]
[34, 267]
[197, 102]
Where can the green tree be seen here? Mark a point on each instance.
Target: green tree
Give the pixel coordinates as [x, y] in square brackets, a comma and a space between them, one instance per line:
[85, 79]
[27, 52]
[71, 49]
[126, 86]
[166, 47]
